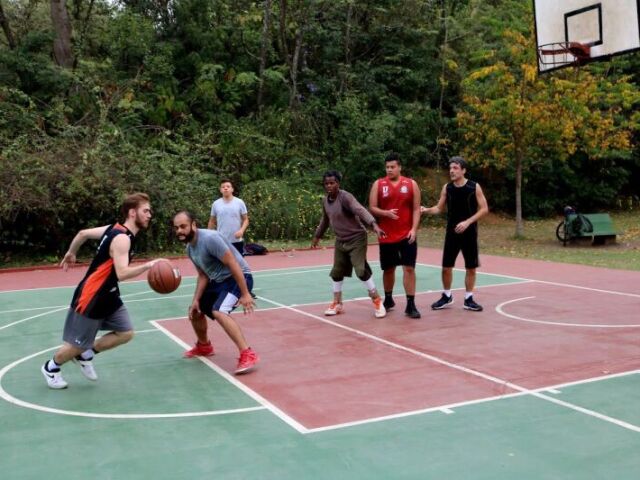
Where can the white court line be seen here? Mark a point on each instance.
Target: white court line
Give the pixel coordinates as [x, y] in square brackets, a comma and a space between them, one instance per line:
[557, 284]
[504, 383]
[239, 385]
[126, 416]
[500, 310]
[451, 406]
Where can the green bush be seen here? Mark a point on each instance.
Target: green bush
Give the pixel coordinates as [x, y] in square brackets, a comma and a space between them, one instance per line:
[283, 209]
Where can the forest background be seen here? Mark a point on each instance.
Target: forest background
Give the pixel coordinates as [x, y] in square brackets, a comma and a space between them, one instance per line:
[103, 97]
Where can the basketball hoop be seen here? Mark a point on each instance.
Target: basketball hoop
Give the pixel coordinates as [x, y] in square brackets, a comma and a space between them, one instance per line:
[562, 54]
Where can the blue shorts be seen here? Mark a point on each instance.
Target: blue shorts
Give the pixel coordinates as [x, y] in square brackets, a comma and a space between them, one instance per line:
[222, 296]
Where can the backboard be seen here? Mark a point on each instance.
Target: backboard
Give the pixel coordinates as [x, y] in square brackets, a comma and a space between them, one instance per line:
[575, 32]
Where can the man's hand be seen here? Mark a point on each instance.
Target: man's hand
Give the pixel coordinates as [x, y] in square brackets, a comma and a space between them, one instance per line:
[194, 310]
[392, 214]
[379, 232]
[238, 234]
[462, 226]
[247, 303]
[412, 236]
[314, 242]
[69, 258]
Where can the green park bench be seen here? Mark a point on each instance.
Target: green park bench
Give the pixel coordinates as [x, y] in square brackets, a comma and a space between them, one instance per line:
[597, 226]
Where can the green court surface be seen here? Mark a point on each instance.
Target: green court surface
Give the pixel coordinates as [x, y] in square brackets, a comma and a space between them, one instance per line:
[153, 414]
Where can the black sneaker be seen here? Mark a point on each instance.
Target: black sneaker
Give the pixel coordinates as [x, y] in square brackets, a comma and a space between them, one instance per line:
[469, 304]
[388, 303]
[443, 302]
[412, 312]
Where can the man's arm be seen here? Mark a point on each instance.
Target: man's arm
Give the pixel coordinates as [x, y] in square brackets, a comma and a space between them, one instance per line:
[119, 251]
[413, 233]
[212, 223]
[483, 209]
[236, 272]
[320, 229]
[439, 207]
[81, 237]
[352, 205]
[243, 227]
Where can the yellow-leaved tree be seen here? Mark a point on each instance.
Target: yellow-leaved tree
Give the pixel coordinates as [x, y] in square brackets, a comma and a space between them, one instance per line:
[514, 119]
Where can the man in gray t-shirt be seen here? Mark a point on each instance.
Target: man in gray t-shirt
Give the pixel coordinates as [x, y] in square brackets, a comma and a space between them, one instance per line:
[229, 216]
[224, 281]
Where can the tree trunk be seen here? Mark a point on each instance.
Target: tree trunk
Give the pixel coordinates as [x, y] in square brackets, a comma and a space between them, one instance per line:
[4, 21]
[293, 71]
[347, 51]
[62, 41]
[266, 27]
[519, 224]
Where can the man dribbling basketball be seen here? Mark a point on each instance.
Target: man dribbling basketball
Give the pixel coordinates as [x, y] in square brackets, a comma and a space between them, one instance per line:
[224, 281]
[96, 303]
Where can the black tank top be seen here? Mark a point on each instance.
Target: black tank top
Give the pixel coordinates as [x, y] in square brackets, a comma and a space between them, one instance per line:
[98, 295]
[461, 203]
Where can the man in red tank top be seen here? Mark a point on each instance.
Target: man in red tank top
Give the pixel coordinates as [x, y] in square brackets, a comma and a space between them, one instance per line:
[395, 201]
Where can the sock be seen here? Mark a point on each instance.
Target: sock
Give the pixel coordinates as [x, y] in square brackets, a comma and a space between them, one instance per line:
[337, 286]
[370, 284]
[468, 295]
[447, 293]
[86, 355]
[388, 295]
[410, 300]
[52, 366]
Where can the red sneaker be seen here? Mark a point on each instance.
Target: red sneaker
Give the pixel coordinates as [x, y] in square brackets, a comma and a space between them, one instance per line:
[247, 361]
[200, 350]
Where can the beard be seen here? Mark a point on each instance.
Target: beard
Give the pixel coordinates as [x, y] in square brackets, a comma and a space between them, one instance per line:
[187, 237]
[141, 223]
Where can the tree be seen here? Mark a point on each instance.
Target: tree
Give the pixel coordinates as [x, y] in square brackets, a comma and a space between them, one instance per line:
[512, 119]
[62, 41]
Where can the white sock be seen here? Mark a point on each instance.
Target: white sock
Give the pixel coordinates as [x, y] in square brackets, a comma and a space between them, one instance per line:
[447, 293]
[467, 295]
[337, 286]
[370, 284]
[52, 366]
[87, 354]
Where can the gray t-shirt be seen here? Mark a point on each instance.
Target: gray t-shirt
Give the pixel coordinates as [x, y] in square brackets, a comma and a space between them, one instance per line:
[207, 252]
[228, 217]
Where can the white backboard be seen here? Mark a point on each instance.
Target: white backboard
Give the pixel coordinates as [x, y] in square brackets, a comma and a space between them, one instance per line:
[608, 27]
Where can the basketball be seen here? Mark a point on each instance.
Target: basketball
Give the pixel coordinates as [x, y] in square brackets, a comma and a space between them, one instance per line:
[164, 277]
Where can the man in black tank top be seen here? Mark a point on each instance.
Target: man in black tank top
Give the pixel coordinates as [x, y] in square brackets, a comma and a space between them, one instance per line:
[466, 204]
[96, 303]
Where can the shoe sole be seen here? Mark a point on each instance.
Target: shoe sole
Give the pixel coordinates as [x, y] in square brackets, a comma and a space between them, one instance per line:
[47, 377]
[332, 314]
[443, 306]
[471, 309]
[412, 315]
[194, 355]
[245, 370]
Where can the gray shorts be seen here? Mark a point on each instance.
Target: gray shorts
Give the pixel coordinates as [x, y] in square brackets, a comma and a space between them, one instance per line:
[80, 331]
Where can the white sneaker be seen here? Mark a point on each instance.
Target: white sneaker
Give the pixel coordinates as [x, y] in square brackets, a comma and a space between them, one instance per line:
[334, 309]
[86, 367]
[379, 307]
[54, 379]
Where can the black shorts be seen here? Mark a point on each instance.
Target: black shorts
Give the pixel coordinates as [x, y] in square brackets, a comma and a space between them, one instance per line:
[399, 253]
[467, 242]
[223, 296]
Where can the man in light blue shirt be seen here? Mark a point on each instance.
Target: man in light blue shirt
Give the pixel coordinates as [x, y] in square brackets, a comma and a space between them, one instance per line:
[224, 282]
[229, 216]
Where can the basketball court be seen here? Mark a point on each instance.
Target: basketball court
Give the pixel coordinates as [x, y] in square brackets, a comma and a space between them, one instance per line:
[544, 383]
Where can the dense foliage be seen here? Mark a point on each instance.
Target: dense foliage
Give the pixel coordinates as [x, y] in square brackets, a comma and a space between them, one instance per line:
[167, 96]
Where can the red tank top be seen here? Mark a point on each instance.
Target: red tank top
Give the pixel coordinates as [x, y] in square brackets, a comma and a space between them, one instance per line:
[398, 196]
